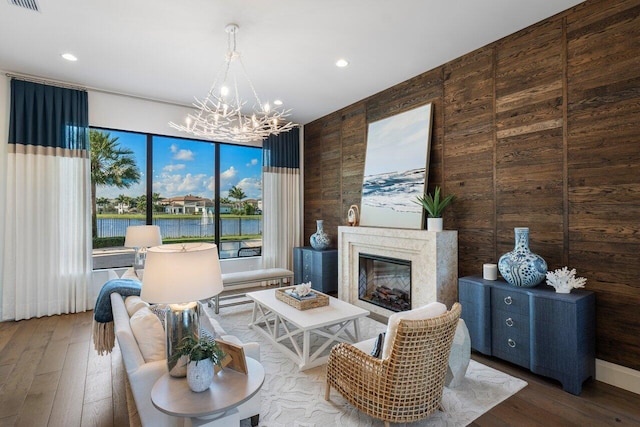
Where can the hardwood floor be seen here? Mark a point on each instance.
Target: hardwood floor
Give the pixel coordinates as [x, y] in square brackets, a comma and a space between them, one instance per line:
[50, 375]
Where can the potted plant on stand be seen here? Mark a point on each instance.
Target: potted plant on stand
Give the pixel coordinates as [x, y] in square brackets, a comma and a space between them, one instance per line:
[434, 205]
[201, 355]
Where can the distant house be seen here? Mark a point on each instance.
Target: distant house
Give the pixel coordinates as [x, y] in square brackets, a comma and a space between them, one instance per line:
[255, 202]
[187, 205]
[122, 208]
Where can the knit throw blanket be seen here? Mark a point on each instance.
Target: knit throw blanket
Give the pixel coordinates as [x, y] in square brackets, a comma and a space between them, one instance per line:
[103, 334]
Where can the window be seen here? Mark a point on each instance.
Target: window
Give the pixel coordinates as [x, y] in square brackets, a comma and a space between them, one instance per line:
[118, 182]
[195, 191]
[184, 189]
[240, 201]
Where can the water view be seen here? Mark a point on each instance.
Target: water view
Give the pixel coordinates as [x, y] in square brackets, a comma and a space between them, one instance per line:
[174, 228]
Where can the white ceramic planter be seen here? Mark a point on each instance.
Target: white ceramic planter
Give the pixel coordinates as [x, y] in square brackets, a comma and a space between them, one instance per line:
[200, 375]
[434, 224]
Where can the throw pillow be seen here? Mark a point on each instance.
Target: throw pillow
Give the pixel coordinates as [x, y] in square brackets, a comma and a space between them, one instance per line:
[149, 334]
[134, 303]
[160, 310]
[428, 311]
[377, 346]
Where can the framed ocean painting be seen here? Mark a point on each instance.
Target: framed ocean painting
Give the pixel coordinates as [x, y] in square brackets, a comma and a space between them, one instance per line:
[396, 169]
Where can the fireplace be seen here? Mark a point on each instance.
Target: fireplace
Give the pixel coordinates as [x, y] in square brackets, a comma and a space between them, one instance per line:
[385, 282]
[431, 259]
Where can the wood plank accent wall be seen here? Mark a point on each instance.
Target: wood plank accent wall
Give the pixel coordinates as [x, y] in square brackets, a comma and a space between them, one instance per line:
[539, 129]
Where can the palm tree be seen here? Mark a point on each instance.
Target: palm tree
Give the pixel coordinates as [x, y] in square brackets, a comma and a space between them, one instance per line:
[111, 165]
[237, 193]
[121, 201]
[155, 202]
[102, 201]
[141, 203]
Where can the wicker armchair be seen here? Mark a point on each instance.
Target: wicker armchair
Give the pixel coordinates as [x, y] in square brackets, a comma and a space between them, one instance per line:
[405, 387]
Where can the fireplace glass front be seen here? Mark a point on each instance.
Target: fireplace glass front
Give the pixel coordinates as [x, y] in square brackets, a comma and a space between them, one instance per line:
[385, 282]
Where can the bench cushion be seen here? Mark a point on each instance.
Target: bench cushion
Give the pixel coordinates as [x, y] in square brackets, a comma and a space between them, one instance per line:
[255, 275]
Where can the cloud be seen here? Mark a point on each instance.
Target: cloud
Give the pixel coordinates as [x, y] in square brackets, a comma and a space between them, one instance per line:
[192, 183]
[174, 148]
[253, 162]
[252, 187]
[171, 185]
[182, 154]
[111, 192]
[172, 168]
[227, 177]
[211, 184]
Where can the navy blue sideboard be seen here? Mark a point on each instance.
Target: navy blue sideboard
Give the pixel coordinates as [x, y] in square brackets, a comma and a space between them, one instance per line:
[318, 267]
[549, 333]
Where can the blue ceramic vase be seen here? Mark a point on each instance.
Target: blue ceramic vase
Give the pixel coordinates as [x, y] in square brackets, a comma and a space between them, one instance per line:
[320, 240]
[521, 267]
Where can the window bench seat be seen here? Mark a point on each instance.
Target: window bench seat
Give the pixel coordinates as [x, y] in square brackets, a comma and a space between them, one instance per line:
[230, 280]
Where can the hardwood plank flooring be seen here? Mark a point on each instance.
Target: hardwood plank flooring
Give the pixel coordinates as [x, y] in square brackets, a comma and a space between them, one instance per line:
[50, 375]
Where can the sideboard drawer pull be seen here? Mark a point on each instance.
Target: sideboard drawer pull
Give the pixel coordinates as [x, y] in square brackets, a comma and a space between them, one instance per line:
[511, 343]
[509, 322]
[508, 300]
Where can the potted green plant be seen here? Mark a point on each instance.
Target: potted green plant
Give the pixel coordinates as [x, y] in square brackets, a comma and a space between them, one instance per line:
[434, 205]
[201, 355]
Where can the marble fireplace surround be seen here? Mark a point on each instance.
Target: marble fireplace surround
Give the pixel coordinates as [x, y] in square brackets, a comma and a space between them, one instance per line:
[433, 256]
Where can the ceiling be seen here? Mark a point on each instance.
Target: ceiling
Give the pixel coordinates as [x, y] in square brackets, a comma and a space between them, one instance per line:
[171, 50]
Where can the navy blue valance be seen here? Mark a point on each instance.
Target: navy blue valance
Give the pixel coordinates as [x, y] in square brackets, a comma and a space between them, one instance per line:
[48, 116]
[282, 151]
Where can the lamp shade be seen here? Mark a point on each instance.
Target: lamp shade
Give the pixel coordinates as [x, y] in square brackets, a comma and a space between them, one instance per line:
[180, 273]
[142, 236]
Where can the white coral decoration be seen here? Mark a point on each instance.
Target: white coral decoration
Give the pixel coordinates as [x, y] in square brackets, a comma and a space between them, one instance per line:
[564, 280]
[303, 289]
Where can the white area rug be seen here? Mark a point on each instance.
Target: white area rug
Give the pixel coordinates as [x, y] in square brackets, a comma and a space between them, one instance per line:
[294, 398]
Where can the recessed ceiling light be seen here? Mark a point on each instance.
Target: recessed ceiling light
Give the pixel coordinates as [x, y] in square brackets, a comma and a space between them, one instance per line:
[342, 63]
[277, 102]
[69, 57]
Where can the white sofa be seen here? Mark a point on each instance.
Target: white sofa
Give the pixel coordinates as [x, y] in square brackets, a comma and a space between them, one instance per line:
[143, 375]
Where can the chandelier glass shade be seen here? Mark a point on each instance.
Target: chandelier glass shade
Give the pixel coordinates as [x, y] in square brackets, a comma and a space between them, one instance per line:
[220, 116]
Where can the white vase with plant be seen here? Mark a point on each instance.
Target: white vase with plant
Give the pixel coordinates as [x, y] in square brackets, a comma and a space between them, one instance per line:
[434, 205]
[202, 354]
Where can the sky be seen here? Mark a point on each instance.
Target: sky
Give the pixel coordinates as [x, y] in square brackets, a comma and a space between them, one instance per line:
[182, 166]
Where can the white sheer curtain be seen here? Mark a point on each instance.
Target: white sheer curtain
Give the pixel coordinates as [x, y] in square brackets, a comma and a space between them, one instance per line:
[47, 259]
[281, 204]
[281, 216]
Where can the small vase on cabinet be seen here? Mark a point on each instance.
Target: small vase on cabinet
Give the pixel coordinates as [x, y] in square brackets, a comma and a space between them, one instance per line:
[320, 240]
[521, 267]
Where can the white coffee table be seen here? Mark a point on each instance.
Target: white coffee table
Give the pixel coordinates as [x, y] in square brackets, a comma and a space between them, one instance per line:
[291, 330]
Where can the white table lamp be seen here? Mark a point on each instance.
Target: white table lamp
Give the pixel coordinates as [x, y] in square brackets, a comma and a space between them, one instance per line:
[141, 237]
[180, 275]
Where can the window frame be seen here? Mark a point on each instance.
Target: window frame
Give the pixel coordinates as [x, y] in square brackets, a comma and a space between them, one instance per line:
[149, 173]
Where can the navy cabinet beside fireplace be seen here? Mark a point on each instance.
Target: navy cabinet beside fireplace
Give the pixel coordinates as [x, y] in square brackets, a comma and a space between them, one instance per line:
[549, 333]
[318, 267]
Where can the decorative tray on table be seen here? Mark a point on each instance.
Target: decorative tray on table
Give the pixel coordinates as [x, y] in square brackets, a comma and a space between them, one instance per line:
[302, 303]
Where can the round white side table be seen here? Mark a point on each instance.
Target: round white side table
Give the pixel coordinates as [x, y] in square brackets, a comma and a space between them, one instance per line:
[215, 406]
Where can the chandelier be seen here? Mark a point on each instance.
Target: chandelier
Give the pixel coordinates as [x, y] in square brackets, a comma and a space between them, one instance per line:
[220, 117]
